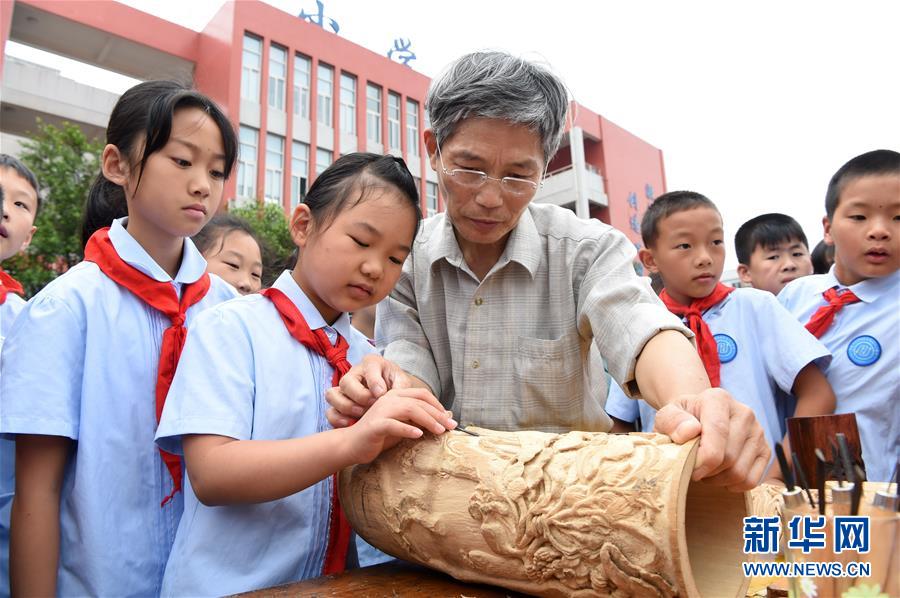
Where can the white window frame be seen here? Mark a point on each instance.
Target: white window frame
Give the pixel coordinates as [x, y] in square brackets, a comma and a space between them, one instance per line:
[412, 127]
[299, 171]
[373, 112]
[251, 74]
[302, 74]
[248, 147]
[325, 95]
[277, 76]
[322, 153]
[431, 199]
[348, 104]
[274, 168]
[393, 114]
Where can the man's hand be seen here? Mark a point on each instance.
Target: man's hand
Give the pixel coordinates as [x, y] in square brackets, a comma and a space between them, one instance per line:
[733, 449]
[359, 388]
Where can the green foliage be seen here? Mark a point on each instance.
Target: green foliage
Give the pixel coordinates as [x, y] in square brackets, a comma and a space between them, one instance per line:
[271, 226]
[65, 163]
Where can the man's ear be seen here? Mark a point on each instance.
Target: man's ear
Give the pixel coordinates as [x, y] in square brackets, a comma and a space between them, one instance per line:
[646, 257]
[431, 148]
[114, 165]
[301, 225]
[743, 272]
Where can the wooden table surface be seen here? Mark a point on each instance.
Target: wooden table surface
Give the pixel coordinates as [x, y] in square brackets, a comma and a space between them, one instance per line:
[394, 578]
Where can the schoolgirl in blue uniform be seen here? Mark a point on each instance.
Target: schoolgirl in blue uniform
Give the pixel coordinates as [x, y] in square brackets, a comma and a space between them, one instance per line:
[89, 360]
[260, 505]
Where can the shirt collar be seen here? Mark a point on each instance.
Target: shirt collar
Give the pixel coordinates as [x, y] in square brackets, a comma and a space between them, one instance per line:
[867, 290]
[287, 285]
[193, 266]
[522, 246]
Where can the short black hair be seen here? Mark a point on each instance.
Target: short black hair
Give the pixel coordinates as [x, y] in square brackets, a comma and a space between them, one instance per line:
[7, 161]
[822, 257]
[664, 206]
[874, 163]
[766, 231]
[220, 226]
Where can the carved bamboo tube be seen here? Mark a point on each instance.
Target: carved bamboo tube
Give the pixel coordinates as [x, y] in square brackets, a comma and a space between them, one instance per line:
[577, 514]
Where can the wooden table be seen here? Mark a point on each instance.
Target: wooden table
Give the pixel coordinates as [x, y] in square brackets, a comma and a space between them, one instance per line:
[394, 578]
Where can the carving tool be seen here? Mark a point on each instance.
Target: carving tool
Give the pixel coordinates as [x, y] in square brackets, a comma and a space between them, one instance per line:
[860, 475]
[462, 428]
[821, 465]
[785, 468]
[801, 477]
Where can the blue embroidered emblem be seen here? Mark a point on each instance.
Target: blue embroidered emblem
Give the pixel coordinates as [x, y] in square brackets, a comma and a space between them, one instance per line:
[726, 347]
[864, 350]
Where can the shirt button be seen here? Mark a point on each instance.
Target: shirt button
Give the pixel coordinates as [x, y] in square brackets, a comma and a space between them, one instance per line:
[478, 300]
[475, 364]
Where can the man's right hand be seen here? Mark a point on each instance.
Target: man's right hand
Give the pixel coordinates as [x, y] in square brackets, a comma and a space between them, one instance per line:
[361, 386]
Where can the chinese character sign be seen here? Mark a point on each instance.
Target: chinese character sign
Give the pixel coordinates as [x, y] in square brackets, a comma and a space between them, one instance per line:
[319, 17]
[761, 535]
[401, 51]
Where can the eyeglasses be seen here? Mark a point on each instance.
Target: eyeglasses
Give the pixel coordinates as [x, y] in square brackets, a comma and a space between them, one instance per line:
[473, 179]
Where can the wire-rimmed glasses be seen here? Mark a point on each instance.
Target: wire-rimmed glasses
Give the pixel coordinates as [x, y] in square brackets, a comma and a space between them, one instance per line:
[473, 179]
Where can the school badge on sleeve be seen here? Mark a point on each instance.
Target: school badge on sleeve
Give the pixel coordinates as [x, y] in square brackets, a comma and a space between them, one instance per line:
[864, 350]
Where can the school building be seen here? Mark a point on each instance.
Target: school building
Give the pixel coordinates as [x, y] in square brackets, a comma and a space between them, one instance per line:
[300, 96]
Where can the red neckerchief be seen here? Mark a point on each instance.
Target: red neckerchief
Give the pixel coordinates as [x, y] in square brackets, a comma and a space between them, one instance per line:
[824, 316]
[162, 297]
[336, 355]
[8, 284]
[706, 344]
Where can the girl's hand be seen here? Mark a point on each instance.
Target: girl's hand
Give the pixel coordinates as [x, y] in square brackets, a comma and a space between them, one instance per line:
[398, 414]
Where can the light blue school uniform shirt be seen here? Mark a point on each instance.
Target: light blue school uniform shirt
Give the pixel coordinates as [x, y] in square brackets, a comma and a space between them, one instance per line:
[761, 347]
[8, 312]
[865, 372]
[242, 375]
[81, 362]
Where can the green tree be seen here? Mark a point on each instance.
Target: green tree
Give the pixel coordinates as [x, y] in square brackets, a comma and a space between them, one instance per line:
[65, 162]
[271, 226]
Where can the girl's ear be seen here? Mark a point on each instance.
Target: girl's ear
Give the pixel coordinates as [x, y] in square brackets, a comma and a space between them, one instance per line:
[301, 225]
[114, 165]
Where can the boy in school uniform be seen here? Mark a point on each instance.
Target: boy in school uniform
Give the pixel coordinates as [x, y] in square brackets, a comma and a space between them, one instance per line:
[771, 251]
[20, 203]
[749, 344]
[854, 309]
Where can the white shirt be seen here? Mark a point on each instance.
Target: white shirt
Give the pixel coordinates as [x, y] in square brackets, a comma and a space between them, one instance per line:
[512, 351]
[865, 372]
[81, 362]
[8, 312]
[761, 347]
[243, 375]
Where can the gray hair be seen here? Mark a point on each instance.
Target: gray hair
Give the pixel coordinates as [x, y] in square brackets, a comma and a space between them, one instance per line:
[499, 85]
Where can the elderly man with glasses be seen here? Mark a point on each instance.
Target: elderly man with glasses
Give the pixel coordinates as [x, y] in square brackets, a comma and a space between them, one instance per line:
[503, 304]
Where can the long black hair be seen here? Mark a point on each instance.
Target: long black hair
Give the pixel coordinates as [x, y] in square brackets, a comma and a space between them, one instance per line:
[144, 113]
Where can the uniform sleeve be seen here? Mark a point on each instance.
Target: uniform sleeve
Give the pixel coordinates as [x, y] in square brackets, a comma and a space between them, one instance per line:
[43, 367]
[400, 335]
[786, 345]
[617, 307]
[214, 386]
[620, 406]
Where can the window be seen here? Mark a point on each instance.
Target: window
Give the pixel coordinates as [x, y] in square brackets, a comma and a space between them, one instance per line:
[246, 183]
[302, 66]
[274, 167]
[373, 113]
[348, 104]
[412, 127]
[277, 76]
[251, 63]
[299, 172]
[323, 160]
[431, 206]
[393, 120]
[325, 93]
